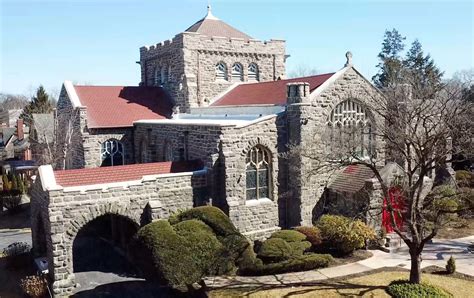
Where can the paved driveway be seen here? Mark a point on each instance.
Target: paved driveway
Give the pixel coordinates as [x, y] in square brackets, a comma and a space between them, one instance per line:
[9, 236]
[436, 253]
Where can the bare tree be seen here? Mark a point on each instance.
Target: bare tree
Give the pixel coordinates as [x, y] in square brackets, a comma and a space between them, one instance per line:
[418, 134]
[303, 70]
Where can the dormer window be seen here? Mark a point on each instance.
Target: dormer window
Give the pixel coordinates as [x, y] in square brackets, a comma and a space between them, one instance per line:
[237, 72]
[253, 73]
[221, 72]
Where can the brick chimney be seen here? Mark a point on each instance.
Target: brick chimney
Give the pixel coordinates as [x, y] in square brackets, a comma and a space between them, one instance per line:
[19, 129]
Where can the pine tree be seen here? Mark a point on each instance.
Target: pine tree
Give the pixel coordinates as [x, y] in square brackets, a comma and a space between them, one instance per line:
[40, 103]
[390, 64]
[424, 75]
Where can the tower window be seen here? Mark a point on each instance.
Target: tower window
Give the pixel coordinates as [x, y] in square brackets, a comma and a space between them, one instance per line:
[221, 71]
[253, 73]
[164, 76]
[157, 78]
[237, 73]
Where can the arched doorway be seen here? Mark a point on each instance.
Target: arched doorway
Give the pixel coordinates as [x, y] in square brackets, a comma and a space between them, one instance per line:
[102, 245]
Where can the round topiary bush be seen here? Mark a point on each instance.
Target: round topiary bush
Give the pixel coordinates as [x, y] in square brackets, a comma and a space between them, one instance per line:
[405, 289]
[344, 235]
[289, 235]
[199, 243]
[274, 250]
[177, 255]
[212, 216]
[313, 234]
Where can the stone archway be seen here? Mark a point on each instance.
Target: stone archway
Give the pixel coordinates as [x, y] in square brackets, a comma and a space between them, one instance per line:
[102, 245]
[62, 265]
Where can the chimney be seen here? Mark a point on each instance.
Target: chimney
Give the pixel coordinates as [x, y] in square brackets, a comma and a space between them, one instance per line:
[297, 92]
[19, 129]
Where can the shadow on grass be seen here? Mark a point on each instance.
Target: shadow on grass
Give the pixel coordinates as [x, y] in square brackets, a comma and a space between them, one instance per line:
[134, 289]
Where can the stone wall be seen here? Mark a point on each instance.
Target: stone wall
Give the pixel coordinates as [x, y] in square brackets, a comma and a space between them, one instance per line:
[189, 60]
[66, 211]
[223, 150]
[82, 145]
[307, 116]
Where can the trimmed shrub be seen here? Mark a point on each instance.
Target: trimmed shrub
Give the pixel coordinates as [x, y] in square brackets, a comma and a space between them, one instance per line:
[275, 250]
[234, 242]
[313, 235]
[34, 286]
[294, 264]
[465, 178]
[213, 217]
[343, 235]
[289, 235]
[451, 265]
[405, 289]
[299, 248]
[177, 255]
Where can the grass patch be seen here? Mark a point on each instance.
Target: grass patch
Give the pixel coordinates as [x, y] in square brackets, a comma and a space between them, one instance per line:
[368, 285]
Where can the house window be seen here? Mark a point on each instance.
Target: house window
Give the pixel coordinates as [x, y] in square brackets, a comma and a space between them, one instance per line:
[350, 130]
[221, 72]
[253, 73]
[157, 76]
[258, 168]
[112, 153]
[237, 72]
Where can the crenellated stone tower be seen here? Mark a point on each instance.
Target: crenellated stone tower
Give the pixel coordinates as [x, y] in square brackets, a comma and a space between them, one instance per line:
[206, 59]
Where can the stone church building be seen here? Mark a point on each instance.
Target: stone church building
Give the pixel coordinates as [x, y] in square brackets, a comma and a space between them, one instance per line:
[211, 122]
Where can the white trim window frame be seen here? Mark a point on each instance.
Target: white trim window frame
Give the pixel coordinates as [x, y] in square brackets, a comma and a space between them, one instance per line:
[114, 150]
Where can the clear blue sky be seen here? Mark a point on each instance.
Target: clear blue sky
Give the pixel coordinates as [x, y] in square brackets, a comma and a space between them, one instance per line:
[97, 41]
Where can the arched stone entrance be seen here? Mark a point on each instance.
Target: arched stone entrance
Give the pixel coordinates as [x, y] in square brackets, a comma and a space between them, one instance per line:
[102, 245]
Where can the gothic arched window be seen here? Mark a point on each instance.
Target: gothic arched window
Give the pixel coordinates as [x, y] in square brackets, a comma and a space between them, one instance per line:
[237, 72]
[350, 130]
[258, 173]
[112, 153]
[221, 71]
[157, 78]
[253, 73]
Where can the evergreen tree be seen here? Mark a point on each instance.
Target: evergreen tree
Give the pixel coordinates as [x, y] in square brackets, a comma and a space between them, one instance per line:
[390, 64]
[40, 103]
[424, 75]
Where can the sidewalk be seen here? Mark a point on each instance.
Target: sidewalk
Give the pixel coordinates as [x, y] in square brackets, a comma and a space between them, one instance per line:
[435, 253]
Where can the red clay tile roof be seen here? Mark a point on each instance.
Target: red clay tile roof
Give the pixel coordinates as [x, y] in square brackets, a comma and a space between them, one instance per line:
[351, 179]
[119, 106]
[80, 177]
[273, 92]
[216, 27]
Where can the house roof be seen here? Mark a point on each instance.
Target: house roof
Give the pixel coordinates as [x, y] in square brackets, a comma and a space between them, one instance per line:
[267, 93]
[44, 127]
[120, 106]
[351, 179]
[212, 26]
[7, 133]
[103, 175]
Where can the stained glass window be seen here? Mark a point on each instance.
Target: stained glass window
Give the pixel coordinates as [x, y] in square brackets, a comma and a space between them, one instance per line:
[112, 153]
[258, 173]
[349, 127]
